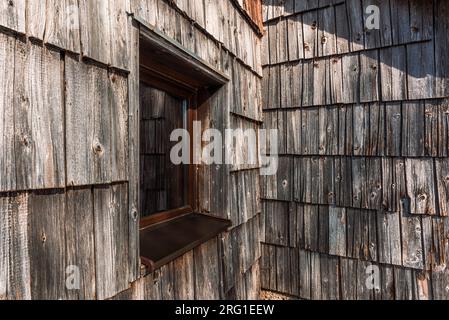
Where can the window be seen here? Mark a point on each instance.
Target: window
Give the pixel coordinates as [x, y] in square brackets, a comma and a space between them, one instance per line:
[164, 186]
[174, 88]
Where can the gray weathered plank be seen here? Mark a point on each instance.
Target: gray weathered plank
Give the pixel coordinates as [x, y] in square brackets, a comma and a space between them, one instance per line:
[111, 239]
[7, 160]
[421, 188]
[38, 109]
[13, 15]
[88, 125]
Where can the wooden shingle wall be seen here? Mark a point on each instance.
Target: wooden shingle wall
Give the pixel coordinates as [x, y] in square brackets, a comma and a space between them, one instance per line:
[363, 120]
[69, 164]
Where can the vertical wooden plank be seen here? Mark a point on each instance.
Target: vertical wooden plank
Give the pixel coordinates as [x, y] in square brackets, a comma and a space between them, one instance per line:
[321, 81]
[80, 243]
[387, 283]
[359, 186]
[184, 277]
[283, 271]
[389, 241]
[315, 276]
[443, 129]
[413, 133]
[305, 274]
[393, 114]
[356, 25]
[273, 42]
[323, 230]
[376, 144]
[369, 76]
[336, 80]
[207, 271]
[88, 121]
[421, 186]
[268, 271]
[441, 44]
[310, 34]
[295, 38]
[38, 114]
[118, 101]
[348, 270]
[345, 131]
[111, 239]
[327, 41]
[412, 249]
[400, 18]
[47, 246]
[421, 20]
[282, 40]
[382, 37]
[62, 25]
[361, 129]
[118, 21]
[293, 134]
[364, 292]
[328, 131]
[15, 279]
[393, 65]
[374, 184]
[343, 184]
[94, 16]
[442, 174]
[5, 209]
[421, 76]
[309, 131]
[7, 161]
[431, 143]
[12, 15]
[403, 284]
[277, 223]
[342, 28]
[37, 15]
[133, 150]
[337, 231]
[351, 77]
[311, 227]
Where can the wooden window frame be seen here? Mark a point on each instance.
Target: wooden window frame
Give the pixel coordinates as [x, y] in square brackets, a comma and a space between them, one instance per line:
[191, 185]
[166, 65]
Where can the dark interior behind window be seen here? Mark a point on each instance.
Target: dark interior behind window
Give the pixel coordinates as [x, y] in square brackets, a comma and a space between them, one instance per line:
[163, 184]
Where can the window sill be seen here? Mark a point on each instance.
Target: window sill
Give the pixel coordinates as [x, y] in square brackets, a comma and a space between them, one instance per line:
[163, 243]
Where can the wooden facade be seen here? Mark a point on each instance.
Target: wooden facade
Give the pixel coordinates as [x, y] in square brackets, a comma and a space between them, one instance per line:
[69, 166]
[363, 179]
[363, 116]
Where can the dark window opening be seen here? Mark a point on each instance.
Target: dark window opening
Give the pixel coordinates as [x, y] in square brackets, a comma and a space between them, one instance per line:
[164, 185]
[175, 86]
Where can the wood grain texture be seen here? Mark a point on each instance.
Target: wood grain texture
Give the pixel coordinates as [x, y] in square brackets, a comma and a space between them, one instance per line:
[111, 239]
[13, 15]
[38, 118]
[7, 160]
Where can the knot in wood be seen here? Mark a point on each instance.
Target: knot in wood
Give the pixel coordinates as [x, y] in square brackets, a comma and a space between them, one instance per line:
[26, 141]
[414, 28]
[285, 183]
[97, 148]
[314, 25]
[134, 215]
[11, 3]
[43, 237]
[422, 197]
[323, 39]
